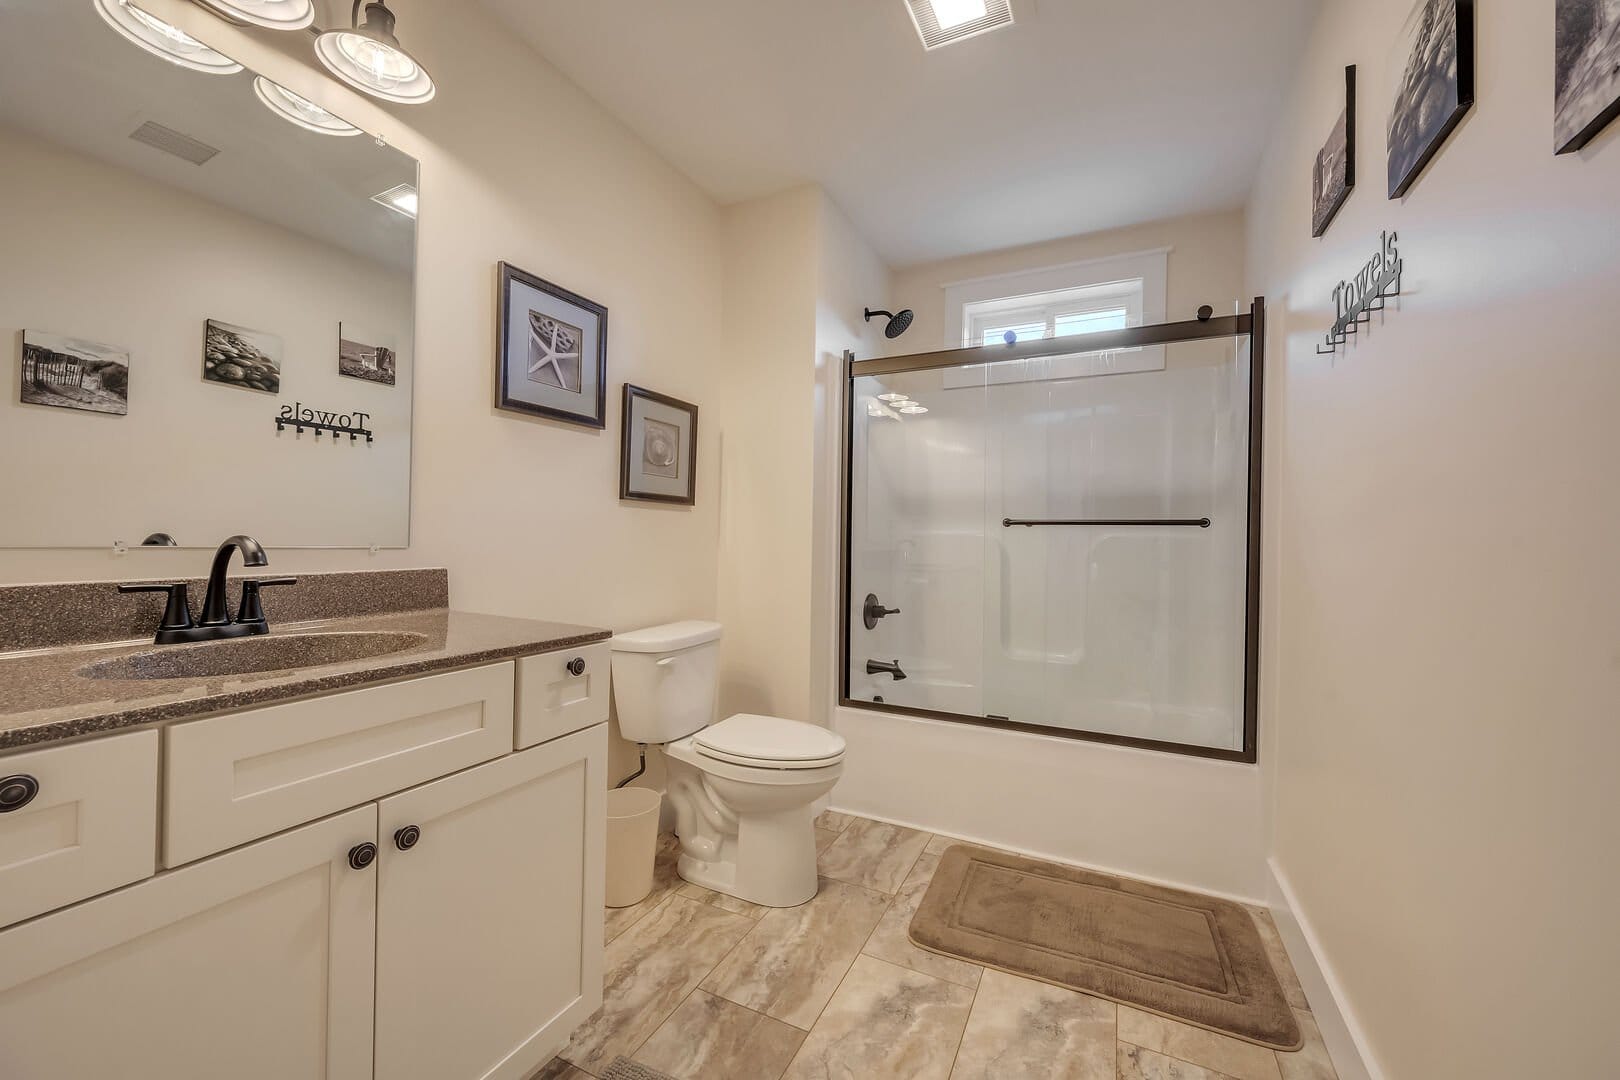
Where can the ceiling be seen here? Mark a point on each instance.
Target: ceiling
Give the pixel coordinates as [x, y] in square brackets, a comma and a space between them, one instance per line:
[1085, 115]
[69, 79]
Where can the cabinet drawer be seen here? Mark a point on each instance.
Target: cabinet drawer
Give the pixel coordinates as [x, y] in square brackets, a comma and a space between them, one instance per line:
[553, 700]
[91, 825]
[232, 778]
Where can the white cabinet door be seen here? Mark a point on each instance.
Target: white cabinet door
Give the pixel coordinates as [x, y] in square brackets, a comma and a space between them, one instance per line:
[489, 925]
[257, 965]
[87, 823]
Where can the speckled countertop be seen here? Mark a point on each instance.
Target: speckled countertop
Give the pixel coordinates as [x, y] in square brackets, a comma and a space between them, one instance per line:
[45, 696]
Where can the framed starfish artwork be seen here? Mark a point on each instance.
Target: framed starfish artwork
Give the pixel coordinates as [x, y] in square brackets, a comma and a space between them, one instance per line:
[551, 351]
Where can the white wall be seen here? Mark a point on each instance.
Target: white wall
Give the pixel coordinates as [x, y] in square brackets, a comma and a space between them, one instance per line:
[1442, 623]
[199, 460]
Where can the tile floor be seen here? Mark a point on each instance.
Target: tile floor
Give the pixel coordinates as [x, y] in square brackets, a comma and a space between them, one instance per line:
[707, 987]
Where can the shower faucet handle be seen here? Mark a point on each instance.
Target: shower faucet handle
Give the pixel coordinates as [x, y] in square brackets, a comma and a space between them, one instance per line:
[873, 610]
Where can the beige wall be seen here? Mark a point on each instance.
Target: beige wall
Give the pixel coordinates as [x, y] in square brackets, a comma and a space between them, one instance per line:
[1442, 631]
[796, 276]
[1206, 267]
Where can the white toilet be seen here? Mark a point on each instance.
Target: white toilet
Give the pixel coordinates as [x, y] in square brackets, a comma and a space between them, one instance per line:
[742, 789]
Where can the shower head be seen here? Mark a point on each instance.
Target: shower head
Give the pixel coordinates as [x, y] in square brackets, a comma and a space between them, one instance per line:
[899, 322]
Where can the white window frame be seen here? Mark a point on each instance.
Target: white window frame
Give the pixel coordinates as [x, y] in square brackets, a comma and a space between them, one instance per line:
[1039, 294]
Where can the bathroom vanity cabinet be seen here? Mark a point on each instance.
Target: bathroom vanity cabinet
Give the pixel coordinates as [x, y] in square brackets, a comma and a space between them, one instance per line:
[402, 881]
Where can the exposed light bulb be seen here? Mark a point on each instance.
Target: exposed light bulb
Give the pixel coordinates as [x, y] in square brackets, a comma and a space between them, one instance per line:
[299, 110]
[163, 39]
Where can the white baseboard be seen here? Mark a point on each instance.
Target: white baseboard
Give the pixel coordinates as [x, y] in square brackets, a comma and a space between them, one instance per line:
[1344, 1037]
[1049, 857]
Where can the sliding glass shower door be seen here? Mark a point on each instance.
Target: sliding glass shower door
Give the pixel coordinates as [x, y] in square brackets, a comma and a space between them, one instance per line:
[1059, 541]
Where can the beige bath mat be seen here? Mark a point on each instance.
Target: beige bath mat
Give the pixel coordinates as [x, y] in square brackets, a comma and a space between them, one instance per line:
[1189, 957]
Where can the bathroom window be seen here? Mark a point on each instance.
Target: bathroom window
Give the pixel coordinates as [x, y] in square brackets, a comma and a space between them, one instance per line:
[1058, 301]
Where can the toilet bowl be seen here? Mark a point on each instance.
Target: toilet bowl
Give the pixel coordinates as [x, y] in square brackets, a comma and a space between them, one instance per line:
[742, 789]
[745, 822]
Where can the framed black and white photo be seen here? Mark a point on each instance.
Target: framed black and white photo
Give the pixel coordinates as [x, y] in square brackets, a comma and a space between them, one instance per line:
[658, 455]
[551, 351]
[240, 356]
[71, 373]
[1586, 66]
[1335, 172]
[361, 356]
[1434, 86]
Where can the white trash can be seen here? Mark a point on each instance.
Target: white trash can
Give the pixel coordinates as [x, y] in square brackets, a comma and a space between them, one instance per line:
[632, 844]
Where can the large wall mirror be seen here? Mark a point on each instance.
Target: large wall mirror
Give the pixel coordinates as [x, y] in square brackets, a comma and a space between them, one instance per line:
[187, 257]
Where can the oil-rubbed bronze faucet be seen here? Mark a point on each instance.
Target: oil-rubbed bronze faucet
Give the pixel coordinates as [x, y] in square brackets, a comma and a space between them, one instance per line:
[176, 625]
[878, 667]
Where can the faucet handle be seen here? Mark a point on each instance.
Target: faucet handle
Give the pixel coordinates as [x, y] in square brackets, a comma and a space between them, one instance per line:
[250, 610]
[177, 612]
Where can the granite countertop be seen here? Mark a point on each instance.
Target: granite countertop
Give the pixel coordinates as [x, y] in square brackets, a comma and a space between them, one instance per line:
[45, 698]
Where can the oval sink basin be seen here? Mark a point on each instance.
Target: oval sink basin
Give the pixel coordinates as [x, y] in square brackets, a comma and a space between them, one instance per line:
[245, 656]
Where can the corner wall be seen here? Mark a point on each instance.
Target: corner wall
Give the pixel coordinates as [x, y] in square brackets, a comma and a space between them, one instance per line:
[1442, 612]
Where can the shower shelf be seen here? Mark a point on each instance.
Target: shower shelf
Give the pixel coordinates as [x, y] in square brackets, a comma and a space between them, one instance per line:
[1198, 523]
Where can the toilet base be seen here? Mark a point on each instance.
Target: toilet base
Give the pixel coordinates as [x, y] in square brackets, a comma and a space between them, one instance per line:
[777, 856]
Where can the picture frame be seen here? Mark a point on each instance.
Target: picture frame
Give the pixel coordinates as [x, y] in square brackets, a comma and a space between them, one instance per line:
[1586, 71]
[241, 356]
[1335, 171]
[658, 448]
[74, 373]
[1433, 86]
[550, 351]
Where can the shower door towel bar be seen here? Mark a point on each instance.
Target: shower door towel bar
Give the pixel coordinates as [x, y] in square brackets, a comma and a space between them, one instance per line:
[1198, 523]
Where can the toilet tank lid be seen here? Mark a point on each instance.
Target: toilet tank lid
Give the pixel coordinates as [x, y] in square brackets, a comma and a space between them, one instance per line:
[667, 638]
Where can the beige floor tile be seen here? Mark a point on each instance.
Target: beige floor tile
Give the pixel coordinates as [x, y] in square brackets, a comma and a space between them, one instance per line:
[1234, 1057]
[834, 821]
[790, 962]
[890, 941]
[937, 845]
[885, 1022]
[723, 901]
[665, 882]
[710, 1038]
[1278, 955]
[558, 1069]
[650, 968]
[1311, 1061]
[1138, 1063]
[824, 838]
[873, 855]
[1019, 1027]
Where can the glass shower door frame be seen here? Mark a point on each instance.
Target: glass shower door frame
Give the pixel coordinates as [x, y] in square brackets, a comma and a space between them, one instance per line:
[1251, 324]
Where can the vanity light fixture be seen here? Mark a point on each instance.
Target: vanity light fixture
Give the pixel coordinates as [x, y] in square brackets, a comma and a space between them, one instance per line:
[297, 109]
[401, 198]
[370, 58]
[894, 397]
[270, 14]
[945, 22]
[163, 39]
[913, 409]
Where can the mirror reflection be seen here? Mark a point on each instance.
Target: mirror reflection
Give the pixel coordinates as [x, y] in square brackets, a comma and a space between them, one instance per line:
[207, 288]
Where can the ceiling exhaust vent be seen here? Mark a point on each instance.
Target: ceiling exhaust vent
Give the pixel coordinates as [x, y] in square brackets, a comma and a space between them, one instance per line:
[945, 22]
[171, 141]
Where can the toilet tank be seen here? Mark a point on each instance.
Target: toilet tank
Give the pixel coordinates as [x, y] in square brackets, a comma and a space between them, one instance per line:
[664, 680]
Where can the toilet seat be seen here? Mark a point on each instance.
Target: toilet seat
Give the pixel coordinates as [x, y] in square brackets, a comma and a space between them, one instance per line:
[769, 742]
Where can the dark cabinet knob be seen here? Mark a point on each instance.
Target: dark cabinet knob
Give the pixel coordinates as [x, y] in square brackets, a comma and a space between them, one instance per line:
[406, 838]
[362, 855]
[17, 792]
[576, 666]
